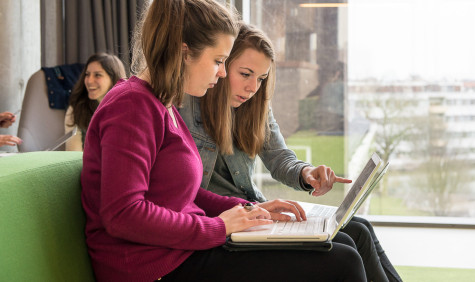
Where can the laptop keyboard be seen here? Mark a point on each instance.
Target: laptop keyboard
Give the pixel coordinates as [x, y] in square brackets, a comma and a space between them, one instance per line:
[310, 226]
[321, 211]
[315, 222]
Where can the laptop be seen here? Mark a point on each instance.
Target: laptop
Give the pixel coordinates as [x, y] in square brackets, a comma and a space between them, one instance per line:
[63, 139]
[323, 222]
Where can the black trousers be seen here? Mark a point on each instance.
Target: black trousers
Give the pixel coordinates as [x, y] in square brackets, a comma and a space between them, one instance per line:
[342, 263]
[371, 251]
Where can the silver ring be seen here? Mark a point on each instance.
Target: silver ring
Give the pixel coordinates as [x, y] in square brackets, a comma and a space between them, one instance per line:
[249, 206]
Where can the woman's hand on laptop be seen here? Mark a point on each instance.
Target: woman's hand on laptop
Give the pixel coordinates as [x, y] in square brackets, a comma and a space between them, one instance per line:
[277, 207]
[321, 178]
[240, 218]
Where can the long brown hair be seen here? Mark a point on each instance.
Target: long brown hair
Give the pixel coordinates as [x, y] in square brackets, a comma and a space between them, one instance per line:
[165, 26]
[83, 107]
[245, 126]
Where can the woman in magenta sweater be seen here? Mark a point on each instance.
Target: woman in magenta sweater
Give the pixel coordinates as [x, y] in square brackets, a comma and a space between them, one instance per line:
[147, 217]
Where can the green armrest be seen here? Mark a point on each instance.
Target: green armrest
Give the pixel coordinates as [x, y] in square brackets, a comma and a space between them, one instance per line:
[41, 218]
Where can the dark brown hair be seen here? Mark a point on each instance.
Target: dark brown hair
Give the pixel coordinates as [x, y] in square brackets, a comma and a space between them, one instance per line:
[83, 107]
[165, 26]
[245, 126]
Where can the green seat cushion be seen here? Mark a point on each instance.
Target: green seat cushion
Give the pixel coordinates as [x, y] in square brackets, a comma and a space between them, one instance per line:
[41, 218]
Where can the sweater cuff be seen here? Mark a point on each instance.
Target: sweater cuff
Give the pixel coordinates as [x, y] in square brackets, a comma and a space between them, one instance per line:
[303, 185]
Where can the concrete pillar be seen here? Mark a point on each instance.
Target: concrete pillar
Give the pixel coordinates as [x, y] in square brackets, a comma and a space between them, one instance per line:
[20, 49]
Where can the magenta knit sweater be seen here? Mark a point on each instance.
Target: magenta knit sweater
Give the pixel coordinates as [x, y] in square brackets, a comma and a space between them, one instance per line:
[145, 211]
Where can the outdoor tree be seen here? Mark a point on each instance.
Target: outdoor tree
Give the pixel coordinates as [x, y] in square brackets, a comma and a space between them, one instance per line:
[443, 170]
[390, 114]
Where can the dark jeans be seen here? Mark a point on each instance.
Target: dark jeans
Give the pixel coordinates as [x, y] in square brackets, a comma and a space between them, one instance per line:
[342, 263]
[374, 258]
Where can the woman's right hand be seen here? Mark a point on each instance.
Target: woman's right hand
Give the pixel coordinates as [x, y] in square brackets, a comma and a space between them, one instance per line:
[238, 218]
[6, 119]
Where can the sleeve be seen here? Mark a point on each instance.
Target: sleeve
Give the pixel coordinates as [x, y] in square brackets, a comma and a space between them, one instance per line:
[214, 204]
[129, 140]
[280, 160]
[75, 143]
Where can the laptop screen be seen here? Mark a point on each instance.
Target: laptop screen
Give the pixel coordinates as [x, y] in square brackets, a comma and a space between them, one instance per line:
[60, 141]
[362, 181]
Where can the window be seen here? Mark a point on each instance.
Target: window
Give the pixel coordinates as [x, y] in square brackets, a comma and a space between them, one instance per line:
[378, 75]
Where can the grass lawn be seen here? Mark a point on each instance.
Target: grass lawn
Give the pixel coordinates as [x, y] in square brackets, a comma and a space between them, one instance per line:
[435, 274]
[327, 150]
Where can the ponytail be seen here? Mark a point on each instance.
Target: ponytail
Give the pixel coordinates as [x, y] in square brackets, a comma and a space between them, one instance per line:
[166, 25]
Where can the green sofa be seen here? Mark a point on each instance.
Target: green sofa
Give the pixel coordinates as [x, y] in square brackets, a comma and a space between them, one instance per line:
[41, 218]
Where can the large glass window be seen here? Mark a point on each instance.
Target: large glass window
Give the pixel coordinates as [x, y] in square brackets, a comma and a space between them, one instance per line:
[392, 76]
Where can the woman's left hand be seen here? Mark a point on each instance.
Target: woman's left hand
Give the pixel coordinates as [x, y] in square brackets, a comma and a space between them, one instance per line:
[276, 207]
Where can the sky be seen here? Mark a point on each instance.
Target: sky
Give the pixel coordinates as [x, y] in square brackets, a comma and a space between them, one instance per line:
[394, 39]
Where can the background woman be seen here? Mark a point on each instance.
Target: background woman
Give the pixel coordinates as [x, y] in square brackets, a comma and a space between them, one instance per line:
[102, 71]
[233, 123]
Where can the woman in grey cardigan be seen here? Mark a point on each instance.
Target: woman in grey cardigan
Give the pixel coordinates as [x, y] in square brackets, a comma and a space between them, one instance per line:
[234, 122]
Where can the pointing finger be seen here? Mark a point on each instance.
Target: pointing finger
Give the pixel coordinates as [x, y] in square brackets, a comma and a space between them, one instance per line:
[343, 180]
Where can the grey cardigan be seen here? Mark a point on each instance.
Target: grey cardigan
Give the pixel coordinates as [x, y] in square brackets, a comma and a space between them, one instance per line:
[278, 159]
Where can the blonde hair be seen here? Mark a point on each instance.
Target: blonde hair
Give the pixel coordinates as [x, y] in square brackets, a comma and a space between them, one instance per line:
[164, 27]
[245, 126]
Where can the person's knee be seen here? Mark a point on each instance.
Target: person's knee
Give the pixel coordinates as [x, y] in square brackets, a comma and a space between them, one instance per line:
[344, 238]
[364, 230]
[364, 222]
[358, 229]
